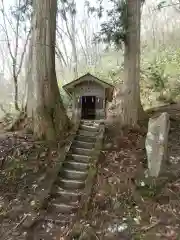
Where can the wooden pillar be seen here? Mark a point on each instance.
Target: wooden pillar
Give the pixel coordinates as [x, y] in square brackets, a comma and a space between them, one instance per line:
[76, 109]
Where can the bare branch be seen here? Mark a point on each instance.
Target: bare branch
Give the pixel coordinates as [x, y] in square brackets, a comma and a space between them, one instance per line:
[60, 55]
[5, 30]
[16, 69]
[17, 41]
[60, 29]
[10, 23]
[85, 55]
[23, 53]
[64, 46]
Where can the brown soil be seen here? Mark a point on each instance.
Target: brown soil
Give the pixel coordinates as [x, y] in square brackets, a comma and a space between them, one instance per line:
[124, 204]
[23, 165]
[127, 205]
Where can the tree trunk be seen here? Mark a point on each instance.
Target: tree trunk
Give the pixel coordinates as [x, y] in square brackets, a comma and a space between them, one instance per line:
[44, 104]
[141, 112]
[73, 42]
[131, 104]
[137, 46]
[16, 92]
[75, 59]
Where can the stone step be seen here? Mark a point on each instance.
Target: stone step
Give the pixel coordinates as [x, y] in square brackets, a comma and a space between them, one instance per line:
[90, 123]
[78, 158]
[87, 133]
[73, 174]
[81, 144]
[68, 184]
[63, 207]
[79, 166]
[56, 217]
[89, 128]
[88, 139]
[81, 151]
[65, 195]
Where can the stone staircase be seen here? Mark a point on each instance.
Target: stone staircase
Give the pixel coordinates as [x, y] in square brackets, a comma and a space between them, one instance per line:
[69, 186]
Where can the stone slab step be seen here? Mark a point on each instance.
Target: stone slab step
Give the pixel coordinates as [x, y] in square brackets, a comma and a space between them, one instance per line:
[79, 166]
[90, 123]
[64, 208]
[58, 218]
[73, 174]
[89, 128]
[81, 144]
[88, 139]
[81, 151]
[78, 158]
[68, 184]
[87, 133]
[66, 195]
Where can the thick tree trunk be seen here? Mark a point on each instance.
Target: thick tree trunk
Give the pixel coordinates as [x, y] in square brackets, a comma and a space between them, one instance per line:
[131, 104]
[129, 114]
[141, 112]
[44, 105]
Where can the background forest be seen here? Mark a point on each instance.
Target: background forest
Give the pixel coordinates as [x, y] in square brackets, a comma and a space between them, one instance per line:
[77, 52]
[114, 178]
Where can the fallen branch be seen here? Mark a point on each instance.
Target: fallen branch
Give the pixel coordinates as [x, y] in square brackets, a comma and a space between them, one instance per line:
[147, 228]
[14, 228]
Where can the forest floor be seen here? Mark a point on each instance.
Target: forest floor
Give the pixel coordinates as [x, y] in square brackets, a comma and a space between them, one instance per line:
[24, 164]
[127, 205]
[124, 203]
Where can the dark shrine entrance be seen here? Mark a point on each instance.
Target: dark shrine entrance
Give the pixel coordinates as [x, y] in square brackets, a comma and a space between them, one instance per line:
[88, 107]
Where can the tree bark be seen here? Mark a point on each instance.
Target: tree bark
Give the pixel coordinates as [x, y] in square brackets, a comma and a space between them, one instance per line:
[72, 37]
[71, 31]
[44, 104]
[141, 112]
[16, 92]
[131, 104]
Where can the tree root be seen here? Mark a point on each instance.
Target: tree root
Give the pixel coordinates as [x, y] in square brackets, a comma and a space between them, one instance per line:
[16, 122]
[149, 227]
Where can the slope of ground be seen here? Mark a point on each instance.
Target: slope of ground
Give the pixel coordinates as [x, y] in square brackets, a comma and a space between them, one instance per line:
[24, 164]
[127, 205]
[124, 203]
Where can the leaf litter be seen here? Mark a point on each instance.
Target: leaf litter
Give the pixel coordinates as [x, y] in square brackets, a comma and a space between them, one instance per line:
[125, 203]
[23, 164]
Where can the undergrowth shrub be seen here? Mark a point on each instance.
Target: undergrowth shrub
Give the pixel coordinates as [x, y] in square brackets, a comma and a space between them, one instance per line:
[157, 76]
